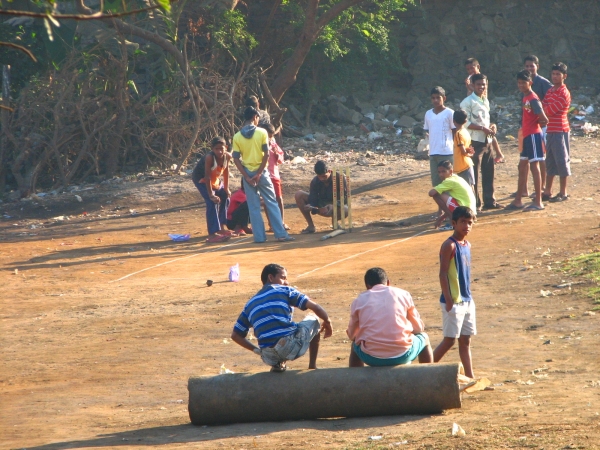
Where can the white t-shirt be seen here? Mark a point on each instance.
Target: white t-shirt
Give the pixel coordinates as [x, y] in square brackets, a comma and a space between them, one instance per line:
[440, 128]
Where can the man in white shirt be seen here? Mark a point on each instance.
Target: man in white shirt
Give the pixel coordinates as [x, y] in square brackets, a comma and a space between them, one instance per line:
[439, 125]
[477, 108]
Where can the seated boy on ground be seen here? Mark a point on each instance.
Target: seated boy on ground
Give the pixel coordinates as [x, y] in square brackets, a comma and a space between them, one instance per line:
[385, 326]
[270, 311]
[451, 193]
[238, 216]
[319, 199]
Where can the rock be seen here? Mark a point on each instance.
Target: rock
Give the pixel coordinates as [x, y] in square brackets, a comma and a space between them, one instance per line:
[299, 160]
[406, 122]
[418, 130]
[338, 112]
[300, 153]
[321, 136]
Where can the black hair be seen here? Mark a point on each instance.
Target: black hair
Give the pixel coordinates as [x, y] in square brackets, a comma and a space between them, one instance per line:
[252, 101]
[561, 67]
[445, 164]
[321, 167]
[269, 127]
[462, 212]
[250, 112]
[534, 59]
[471, 61]
[375, 276]
[460, 117]
[524, 75]
[438, 90]
[218, 139]
[270, 269]
[477, 77]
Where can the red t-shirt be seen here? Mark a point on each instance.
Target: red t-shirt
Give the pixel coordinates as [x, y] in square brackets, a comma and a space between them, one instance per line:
[556, 106]
[531, 108]
[236, 199]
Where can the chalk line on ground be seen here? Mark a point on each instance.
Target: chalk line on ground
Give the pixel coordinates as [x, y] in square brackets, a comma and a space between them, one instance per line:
[182, 258]
[366, 251]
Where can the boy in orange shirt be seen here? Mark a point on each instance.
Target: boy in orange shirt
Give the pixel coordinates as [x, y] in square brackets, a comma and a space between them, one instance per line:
[385, 326]
[463, 164]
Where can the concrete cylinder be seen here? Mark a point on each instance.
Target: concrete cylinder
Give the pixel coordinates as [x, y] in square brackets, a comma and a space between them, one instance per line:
[314, 394]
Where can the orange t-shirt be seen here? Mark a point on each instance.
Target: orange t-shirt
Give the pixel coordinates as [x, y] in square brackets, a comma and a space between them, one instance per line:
[461, 162]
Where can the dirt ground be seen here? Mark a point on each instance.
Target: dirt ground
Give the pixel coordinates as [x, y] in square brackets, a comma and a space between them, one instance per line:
[104, 319]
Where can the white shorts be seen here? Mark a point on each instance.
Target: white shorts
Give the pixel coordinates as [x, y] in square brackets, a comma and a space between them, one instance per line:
[460, 320]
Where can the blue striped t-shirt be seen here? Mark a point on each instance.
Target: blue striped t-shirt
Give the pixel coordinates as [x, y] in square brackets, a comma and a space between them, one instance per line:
[270, 312]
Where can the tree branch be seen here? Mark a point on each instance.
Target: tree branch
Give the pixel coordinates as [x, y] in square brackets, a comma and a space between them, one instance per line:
[335, 11]
[92, 16]
[20, 48]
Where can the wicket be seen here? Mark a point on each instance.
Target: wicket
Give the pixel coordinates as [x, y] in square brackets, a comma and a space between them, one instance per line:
[345, 197]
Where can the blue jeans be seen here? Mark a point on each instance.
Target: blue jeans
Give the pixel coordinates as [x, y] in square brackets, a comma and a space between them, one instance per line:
[216, 213]
[265, 190]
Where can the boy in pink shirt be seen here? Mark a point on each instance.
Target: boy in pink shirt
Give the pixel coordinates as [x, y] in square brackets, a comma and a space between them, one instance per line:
[275, 159]
[385, 326]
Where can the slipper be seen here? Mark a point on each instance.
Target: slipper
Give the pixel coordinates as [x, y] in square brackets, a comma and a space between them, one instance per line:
[270, 230]
[241, 233]
[308, 230]
[559, 198]
[512, 207]
[279, 367]
[446, 227]
[218, 238]
[286, 239]
[286, 227]
[533, 207]
[545, 198]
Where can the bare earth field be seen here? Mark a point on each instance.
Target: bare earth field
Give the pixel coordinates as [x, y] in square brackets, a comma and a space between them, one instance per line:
[94, 358]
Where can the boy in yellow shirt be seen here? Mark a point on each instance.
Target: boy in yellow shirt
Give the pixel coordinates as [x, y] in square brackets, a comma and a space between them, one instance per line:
[451, 193]
[463, 164]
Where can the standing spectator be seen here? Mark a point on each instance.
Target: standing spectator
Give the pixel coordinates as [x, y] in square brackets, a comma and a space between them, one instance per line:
[472, 67]
[439, 125]
[533, 147]
[263, 116]
[477, 108]
[250, 155]
[207, 179]
[556, 106]
[275, 159]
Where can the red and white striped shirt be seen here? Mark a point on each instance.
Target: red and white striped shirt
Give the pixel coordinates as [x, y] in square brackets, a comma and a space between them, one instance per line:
[556, 106]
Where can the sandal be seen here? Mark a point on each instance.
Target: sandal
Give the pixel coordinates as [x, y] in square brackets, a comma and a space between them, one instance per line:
[308, 230]
[218, 238]
[286, 227]
[512, 207]
[533, 207]
[559, 198]
[286, 239]
[279, 367]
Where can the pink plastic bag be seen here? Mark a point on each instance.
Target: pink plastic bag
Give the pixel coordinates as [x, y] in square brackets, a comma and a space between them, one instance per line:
[234, 273]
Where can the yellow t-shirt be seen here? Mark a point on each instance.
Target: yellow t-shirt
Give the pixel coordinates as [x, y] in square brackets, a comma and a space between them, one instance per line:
[458, 189]
[250, 149]
[461, 162]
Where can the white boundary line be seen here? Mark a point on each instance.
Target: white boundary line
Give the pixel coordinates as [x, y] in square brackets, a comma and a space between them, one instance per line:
[179, 259]
[366, 251]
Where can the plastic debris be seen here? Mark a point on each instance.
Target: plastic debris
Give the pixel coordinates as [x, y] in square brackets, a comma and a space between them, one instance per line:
[179, 237]
[546, 293]
[589, 128]
[224, 370]
[457, 430]
[234, 273]
[478, 385]
[375, 438]
[298, 160]
[79, 199]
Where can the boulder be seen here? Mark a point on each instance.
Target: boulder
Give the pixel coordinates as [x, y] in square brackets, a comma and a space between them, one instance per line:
[406, 122]
[339, 113]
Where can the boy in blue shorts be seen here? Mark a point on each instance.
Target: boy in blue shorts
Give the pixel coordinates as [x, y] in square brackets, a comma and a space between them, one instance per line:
[457, 304]
[270, 311]
[534, 151]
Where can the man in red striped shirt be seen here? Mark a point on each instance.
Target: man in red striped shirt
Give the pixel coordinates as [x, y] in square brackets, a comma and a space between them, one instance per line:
[556, 105]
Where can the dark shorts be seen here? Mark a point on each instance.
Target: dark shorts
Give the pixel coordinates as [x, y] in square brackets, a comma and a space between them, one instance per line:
[277, 187]
[434, 160]
[418, 344]
[533, 148]
[468, 175]
[558, 159]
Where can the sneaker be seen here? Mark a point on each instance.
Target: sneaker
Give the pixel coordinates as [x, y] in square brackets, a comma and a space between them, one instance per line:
[446, 227]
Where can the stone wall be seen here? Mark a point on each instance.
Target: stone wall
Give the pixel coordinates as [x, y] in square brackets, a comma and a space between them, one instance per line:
[438, 35]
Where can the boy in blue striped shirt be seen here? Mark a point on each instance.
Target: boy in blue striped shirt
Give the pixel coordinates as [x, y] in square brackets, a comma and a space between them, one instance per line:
[270, 312]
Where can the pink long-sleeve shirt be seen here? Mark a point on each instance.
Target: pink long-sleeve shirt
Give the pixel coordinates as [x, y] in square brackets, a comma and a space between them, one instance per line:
[383, 321]
[275, 158]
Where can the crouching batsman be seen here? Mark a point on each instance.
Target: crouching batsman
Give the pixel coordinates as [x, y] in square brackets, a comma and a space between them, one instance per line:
[270, 312]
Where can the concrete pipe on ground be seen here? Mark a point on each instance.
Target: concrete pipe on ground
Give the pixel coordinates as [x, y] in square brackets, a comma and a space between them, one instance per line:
[314, 394]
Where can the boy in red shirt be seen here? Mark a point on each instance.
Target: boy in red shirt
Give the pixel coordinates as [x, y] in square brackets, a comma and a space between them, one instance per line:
[533, 144]
[238, 216]
[556, 105]
[275, 159]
